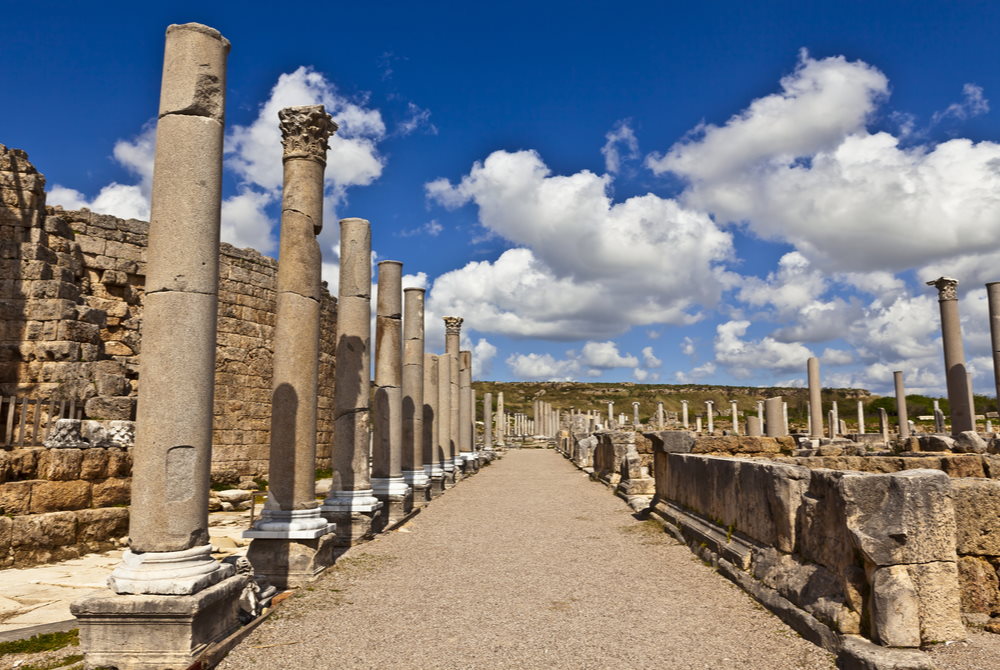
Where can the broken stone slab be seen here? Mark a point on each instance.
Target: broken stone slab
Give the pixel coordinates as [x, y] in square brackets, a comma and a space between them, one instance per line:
[969, 442]
[936, 442]
[671, 441]
[234, 495]
[857, 653]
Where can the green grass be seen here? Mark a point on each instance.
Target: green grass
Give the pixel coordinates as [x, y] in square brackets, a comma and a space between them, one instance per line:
[55, 663]
[41, 642]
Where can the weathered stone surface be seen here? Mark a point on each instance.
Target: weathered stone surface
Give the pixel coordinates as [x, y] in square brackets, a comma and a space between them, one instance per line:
[44, 530]
[907, 517]
[977, 516]
[940, 602]
[980, 587]
[895, 617]
[15, 497]
[969, 442]
[735, 444]
[672, 441]
[97, 527]
[57, 496]
[111, 491]
[936, 443]
[963, 465]
[60, 464]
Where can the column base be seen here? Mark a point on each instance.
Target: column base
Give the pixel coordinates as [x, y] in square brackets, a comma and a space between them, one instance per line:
[288, 562]
[172, 573]
[392, 493]
[296, 524]
[437, 485]
[352, 513]
[420, 484]
[156, 632]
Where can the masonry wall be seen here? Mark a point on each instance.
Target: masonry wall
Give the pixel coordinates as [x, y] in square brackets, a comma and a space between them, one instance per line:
[71, 294]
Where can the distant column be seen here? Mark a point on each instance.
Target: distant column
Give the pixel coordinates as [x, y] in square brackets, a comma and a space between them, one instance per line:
[635, 415]
[938, 418]
[684, 414]
[501, 427]
[972, 402]
[488, 421]
[993, 296]
[466, 415]
[760, 411]
[836, 419]
[904, 422]
[954, 355]
[711, 419]
[452, 338]
[774, 424]
[611, 414]
[433, 455]
[861, 417]
[444, 425]
[784, 412]
[753, 426]
[351, 503]
[291, 513]
[660, 418]
[414, 472]
[815, 398]
[736, 417]
[883, 423]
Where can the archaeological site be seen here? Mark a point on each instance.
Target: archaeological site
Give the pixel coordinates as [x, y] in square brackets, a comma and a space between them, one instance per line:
[211, 458]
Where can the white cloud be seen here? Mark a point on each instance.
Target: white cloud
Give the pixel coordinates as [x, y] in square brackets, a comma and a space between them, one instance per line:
[245, 223]
[687, 346]
[586, 267]
[640, 374]
[973, 103]
[620, 145]
[653, 334]
[483, 354]
[431, 228]
[649, 359]
[836, 357]
[416, 118]
[742, 357]
[605, 355]
[542, 367]
[697, 373]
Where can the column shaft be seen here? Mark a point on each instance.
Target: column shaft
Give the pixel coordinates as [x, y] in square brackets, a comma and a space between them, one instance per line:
[815, 399]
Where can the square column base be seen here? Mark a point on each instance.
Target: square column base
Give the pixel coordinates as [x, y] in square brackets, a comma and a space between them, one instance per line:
[156, 632]
[352, 527]
[393, 509]
[449, 480]
[437, 486]
[289, 563]
[421, 495]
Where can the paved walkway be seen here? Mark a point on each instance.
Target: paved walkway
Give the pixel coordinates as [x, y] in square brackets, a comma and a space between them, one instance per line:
[528, 564]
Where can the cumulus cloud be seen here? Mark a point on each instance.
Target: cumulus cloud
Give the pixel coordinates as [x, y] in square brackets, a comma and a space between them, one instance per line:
[605, 355]
[742, 357]
[483, 353]
[649, 359]
[620, 145]
[973, 103]
[542, 367]
[585, 267]
[687, 346]
[640, 374]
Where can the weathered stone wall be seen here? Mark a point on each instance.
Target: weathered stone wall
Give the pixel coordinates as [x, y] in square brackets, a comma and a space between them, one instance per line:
[57, 504]
[71, 293]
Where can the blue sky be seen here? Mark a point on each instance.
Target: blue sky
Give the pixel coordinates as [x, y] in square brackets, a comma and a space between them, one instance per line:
[655, 192]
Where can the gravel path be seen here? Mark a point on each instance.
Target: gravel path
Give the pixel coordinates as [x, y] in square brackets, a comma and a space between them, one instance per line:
[526, 565]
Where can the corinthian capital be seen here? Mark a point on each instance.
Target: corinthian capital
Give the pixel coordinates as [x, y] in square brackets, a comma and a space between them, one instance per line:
[305, 131]
[947, 288]
[452, 325]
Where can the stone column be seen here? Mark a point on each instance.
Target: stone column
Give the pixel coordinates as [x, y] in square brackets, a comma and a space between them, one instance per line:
[452, 338]
[883, 423]
[711, 419]
[291, 540]
[444, 409]
[774, 425]
[351, 503]
[861, 417]
[488, 421]
[501, 427]
[611, 414]
[697, 424]
[753, 426]
[836, 419]
[433, 456]
[660, 417]
[954, 355]
[938, 418]
[832, 421]
[168, 567]
[466, 413]
[736, 417]
[904, 422]
[815, 398]
[972, 401]
[993, 296]
[635, 415]
[388, 484]
[414, 473]
[760, 411]
[784, 413]
[684, 414]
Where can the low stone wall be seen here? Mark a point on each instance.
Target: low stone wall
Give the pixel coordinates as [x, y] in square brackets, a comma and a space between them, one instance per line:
[57, 504]
[859, 553]
[622, 460]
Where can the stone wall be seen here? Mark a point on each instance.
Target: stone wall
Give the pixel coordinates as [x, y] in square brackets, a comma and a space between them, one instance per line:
[71, 293]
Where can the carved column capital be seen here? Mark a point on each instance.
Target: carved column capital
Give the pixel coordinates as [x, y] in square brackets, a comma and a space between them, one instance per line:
[947, 288]
[453, 325]
[305, 132]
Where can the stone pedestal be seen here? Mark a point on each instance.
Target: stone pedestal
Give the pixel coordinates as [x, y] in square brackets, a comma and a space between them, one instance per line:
[287, 563]
[156, 632]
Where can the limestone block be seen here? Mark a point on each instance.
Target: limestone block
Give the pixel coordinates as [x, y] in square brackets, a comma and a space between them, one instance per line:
[6, 536]
[111, 491]
[66, 434]
[969, 442]
[57, 496]
[980, 587]
[15, 497]
[906, 517]
[52, 309]
[821, 530]
[977, 511]
[936, 443]
[60, 464]
[940, 603]
[736, 444]
[110, 407]
[94, 526]
[963, 465]
[672, 441]
[119, 463]
[78, 331]
[44, 530]
[895, 617]
[94, 464]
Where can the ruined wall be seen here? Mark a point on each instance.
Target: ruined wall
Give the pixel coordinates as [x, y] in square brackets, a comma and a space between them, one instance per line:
[71, 293]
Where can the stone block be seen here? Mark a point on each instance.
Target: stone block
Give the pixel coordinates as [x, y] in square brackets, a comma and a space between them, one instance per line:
[936, 443]
[291, 563]
[111, 491]
[6, 535]
[60, 464]
[977, 516]
[57, 496]
[44, 530]
[736, 444]
[94, 464]
[110, 407]
[940, 602]
[979, 584]
[19, 464]
[906, 517]
[963, 465]
[50, 310]
[822, 535]
[969, 442]
[672, 441]
[15, 497]
[96, 526]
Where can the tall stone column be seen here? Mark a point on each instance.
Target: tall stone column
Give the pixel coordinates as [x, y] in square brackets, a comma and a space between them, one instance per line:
[660, 418]
[388, 484]
[774, 423]
[444, 424]
[736, 417]
[413, 396]
[351, 503]
[711, 419]
[452, 338]
[861, 417]
[611, 415]
[972, 401]
[904, 421]
[635, 415]
[168, 568]
[433, 456]
[684, 414]
[815, 399]
[954, 355]
[760, 411]
[836, 419]
[291, 540]
[466, 416]
[488, 421]
[501, 427]
[993, 296]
